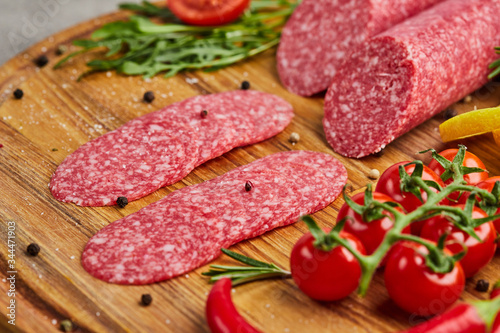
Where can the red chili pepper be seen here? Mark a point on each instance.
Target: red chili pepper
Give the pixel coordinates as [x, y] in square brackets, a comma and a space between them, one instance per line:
[222, 316]
[476, 317]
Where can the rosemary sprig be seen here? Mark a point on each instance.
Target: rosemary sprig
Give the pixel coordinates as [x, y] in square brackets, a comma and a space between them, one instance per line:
[141, 47]
[256, 270]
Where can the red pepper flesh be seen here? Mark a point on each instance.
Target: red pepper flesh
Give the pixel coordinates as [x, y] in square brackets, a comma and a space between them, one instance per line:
[222, 316]
[463, 318]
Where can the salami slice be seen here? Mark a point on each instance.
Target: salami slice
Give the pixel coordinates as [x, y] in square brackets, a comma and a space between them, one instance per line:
[187, 228]
[409, 73]
[320, 33]
[162, 147]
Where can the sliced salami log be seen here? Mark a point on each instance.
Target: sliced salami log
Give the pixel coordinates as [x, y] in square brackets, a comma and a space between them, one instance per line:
[187, 228]
[320, 33]
[162, 147]
[409, 73]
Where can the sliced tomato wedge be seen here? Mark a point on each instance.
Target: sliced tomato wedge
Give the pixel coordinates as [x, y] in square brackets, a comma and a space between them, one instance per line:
[207, 12]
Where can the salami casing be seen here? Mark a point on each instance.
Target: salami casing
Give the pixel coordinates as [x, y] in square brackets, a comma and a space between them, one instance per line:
[187, 228]
[407, 74]
[320, 34]
[162, 147]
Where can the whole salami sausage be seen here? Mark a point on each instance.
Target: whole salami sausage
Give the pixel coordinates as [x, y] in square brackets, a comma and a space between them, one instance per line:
[162, 147]
[320, 33]
[187, 228]
[410, 72]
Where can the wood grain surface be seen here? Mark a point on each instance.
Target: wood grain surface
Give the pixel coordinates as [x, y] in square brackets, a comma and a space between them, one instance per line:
[58, 114]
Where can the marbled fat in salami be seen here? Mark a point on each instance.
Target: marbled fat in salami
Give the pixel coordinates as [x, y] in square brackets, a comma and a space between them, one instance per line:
[409, 73]
[187, 228]
[162, 147]
[320, 34]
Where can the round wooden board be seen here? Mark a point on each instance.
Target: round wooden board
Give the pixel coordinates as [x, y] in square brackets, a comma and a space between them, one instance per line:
[58, 114]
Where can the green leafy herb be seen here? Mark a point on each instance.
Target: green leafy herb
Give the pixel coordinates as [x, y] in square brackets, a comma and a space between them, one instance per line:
[141, 47]
[495, 65]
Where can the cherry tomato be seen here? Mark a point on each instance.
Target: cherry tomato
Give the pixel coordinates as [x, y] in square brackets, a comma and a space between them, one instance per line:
[479, 254]
[207, 12]
[488, 186]
[325, 276]
[470, 160]
[416, 288]
[389, 183]
[370, 234]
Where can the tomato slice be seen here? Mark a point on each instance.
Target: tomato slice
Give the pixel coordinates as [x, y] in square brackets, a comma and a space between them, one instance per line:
[207, 12]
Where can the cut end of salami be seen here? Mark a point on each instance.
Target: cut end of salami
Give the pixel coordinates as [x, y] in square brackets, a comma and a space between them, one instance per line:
[410, 72]
[187, 228]
[366, 103]
[321, 33]
[162, 147]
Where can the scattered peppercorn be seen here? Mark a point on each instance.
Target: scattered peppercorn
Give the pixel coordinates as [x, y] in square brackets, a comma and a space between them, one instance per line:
[18, 93]
[61, 49]
[122, 202]
[294, 138]
[149, 96]
[204, 113]
[146, 299]
[33, 249]
[248, 186]
[67, 325]
[55, 149]
[482, 285]
[374, 174]
[245, 85]
[41, 61]
[449, 113]
[467, 99]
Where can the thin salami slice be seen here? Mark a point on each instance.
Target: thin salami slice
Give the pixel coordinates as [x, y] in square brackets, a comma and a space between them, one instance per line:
[187, 228]
[132, 161]
[409, 73]
[320, 33]
[162, 147]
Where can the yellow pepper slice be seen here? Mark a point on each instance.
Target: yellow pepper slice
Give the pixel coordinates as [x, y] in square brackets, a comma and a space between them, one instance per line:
[496, 136]
[471, 123]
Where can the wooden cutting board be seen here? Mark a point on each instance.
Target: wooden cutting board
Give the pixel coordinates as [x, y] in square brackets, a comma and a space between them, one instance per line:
[58, 114]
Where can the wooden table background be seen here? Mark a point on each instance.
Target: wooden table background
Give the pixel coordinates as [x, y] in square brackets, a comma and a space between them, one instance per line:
[58, 112]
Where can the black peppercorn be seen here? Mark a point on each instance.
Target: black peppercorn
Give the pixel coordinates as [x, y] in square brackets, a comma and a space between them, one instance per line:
[482, 285]
[41, 61]
[204, 113]
[18, 93]
[122, 202]
[61, 49]
[33, 249]
[245, 85]
[149, 96]
[146, 299]
[449, 113]
[248, 186]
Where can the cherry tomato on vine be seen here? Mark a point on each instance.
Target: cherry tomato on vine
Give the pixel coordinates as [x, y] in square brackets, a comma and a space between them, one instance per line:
[414, 287]
[470, 160]
[389, 184]
[207, 12]
[325, 276]
[479, 254]
[370, 234]
[488, 186]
